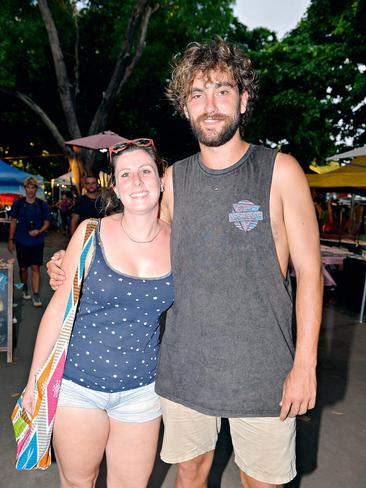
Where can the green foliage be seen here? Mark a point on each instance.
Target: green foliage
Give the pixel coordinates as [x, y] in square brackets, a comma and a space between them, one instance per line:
[313, 82]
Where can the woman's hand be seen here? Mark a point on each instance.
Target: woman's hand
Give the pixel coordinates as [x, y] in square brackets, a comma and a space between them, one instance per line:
[54, 270]
[28, 399]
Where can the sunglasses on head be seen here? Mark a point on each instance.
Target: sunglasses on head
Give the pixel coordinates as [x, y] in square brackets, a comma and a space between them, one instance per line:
[121, 146]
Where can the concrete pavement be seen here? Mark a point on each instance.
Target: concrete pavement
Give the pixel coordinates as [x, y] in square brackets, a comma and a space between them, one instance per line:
[331, 438]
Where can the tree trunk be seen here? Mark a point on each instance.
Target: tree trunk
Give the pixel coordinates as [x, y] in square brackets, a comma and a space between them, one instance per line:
[63, 82]
[37, 109]
[140, 17]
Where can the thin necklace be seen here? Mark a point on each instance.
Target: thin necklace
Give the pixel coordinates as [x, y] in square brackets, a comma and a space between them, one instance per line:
[136, 241]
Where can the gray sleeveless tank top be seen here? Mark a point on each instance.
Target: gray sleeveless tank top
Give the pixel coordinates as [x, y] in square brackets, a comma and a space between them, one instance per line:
[227, 346]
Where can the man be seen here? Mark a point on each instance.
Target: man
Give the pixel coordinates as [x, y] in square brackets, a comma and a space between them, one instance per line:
[240, 211]
[30, 218]
[85, 206]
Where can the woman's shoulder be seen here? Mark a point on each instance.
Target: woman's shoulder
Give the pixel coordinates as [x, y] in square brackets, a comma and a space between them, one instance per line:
[165, 227]
[111, 220]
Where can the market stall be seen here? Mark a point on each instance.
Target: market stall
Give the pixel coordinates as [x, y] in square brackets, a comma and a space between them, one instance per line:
[11, 184]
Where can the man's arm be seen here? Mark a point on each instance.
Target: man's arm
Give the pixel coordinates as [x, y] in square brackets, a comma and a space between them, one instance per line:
[301, 230]
[36, 232]
[74, 223]
[167, 202]
[12, 228]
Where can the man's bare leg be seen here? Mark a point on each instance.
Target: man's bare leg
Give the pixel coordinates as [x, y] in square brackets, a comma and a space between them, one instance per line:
[249, 482]
[194, 473]
[36, 278]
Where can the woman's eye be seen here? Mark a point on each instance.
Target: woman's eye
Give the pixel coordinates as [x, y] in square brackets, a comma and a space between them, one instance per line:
[124, 175]
[146, 171]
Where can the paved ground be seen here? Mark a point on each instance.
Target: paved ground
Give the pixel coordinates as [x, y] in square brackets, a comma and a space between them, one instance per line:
[331, 439]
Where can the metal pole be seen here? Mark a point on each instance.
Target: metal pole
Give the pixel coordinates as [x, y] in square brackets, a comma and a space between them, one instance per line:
[363, 301]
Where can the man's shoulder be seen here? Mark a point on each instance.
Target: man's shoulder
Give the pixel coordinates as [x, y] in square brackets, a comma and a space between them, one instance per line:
[17, 202]
[262, 149]
[41, 202]
[14, 209]
[81, 200]
[186, 161]
[17, 205]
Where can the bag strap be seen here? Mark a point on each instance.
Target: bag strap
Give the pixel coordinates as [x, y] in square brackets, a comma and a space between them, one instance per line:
[74, 295]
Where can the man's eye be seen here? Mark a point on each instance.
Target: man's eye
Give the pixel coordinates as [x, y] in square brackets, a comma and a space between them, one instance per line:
[196, 96]
[146, 171]
[223, 92]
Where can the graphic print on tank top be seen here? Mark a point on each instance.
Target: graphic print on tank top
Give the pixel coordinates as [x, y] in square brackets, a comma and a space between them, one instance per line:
[246, 215]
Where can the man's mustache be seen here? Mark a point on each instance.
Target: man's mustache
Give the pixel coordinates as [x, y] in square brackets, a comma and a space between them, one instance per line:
[206, 116]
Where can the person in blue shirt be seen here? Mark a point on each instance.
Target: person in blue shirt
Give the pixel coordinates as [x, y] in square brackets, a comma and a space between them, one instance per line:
[30, 218]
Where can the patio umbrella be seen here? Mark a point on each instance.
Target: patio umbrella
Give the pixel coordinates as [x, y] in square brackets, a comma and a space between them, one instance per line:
[102, 140]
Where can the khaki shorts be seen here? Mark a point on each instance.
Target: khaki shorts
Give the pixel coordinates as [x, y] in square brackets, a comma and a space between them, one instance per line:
[264, 447]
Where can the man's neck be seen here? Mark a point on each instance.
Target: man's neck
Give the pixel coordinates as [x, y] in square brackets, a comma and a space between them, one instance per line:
[224, 156]
[92, 196]
[30, 200]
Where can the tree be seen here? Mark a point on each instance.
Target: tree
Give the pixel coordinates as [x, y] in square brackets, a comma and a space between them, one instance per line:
[94, 57]
[313, 81]
[129, 54]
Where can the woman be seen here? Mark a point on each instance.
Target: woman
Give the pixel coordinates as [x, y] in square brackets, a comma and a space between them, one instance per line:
[107, 401]
[65, 205]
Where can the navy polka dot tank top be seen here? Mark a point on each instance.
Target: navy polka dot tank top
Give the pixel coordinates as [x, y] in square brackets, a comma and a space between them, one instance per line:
[115, 340]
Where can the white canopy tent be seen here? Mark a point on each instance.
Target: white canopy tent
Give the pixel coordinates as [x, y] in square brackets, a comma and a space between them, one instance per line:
[64, 181]
[353, 153]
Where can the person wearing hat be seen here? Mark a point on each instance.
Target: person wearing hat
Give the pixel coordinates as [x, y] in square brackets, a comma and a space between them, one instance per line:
[30, 218]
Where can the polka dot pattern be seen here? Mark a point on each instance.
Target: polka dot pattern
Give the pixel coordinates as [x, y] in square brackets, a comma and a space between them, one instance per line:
[115, 341]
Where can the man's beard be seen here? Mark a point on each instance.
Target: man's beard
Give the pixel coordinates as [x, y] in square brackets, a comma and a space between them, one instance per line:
[214, 137]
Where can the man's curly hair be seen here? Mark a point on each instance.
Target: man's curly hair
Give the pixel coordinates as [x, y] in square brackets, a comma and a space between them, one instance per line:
[203, 58]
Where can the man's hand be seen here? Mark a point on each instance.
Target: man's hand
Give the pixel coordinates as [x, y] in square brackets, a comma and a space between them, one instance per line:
[299, 392]
[54, 270]
[34, 232]
[11, 245]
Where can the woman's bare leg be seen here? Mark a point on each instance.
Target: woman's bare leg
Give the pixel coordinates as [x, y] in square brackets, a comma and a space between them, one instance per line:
[130, 452]
[79, 439]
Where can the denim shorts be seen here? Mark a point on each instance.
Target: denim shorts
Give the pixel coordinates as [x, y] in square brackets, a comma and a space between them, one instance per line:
[137, 405]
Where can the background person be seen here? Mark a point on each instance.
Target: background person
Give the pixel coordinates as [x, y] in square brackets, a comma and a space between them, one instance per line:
[30, 218]
[65, 204]
[107, 401]
[86, 206]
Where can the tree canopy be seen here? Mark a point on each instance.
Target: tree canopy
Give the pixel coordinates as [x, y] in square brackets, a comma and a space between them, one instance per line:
[67, 71]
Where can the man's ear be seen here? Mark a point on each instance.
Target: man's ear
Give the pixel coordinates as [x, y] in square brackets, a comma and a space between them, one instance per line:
[244, 101]
[186, 112]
